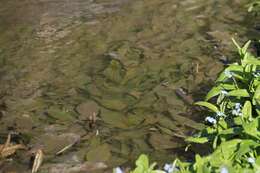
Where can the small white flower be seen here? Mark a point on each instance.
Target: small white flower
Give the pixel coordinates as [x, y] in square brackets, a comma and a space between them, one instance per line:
[238, 106]
[256, 74]
[251, 160]
[223, 169]
[211, 120]
[228, 74]
[220, 114]
[234, 112]
[118, 170]
[169, 168]
[237, 111]
[224, 92]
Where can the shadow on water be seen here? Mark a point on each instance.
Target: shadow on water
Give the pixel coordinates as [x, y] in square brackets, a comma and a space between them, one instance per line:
[101, 75]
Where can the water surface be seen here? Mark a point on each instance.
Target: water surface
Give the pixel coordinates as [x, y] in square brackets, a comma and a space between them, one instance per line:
[103, 73]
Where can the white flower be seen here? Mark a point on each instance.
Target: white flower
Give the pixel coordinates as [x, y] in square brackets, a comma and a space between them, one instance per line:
[220, 114]
[238, 106]
[118, 170]
[211, 120]
[256, 74]
[237, 110]
[223, 169]
[228, 74]
[251, 160]
[169, 168]
[224, 92]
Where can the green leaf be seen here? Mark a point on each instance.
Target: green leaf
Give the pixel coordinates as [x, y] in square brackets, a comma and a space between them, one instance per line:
[245, 47]
[231, 131]
[237, 45]
[245, 147]
[208, 105]
[251, 60]
[158, 171]
[237, 120]
[213, 92]
[239, 93]
[224, 152]
[199, 140]
[232, 68]
[247, 110]
[226, 86]
[252, 128]
[143, 162]
[256, 97]
[235, 68]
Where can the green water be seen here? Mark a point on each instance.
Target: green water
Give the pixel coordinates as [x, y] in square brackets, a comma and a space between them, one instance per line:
[66, 62]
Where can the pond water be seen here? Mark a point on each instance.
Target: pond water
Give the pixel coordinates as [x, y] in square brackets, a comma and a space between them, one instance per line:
[101, 76]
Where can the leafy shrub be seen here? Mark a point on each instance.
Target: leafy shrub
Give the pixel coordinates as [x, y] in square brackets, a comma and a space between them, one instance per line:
[233, 124]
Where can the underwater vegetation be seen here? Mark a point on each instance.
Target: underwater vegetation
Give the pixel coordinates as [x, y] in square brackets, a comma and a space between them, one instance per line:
[78, 98]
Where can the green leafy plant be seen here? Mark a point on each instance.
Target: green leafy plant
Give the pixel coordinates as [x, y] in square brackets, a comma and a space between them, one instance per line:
[143, 166]
[235, 115]
[254, 6]
[233, 122]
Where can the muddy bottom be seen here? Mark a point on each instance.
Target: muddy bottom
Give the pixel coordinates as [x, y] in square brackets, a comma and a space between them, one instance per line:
[92, 83]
